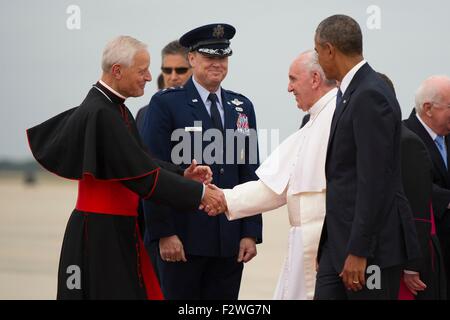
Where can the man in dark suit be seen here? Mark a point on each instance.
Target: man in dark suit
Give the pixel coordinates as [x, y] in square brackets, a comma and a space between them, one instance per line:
[202, 257]
[368, 222]
[424, 278]
[431, 122]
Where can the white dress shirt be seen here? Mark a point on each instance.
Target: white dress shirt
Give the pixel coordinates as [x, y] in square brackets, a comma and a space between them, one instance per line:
[349, 76]
[204, 94]
[430, 131]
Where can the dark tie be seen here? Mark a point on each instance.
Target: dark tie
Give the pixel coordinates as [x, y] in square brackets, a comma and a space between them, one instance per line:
[215, 115]
[338, 98]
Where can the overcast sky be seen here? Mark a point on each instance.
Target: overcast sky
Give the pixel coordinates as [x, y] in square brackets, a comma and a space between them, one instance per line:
[48, 64]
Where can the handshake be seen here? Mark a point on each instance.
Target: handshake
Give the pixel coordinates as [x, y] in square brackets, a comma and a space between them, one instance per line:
[213, 201]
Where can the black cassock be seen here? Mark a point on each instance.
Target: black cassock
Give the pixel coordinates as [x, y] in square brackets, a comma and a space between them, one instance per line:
[417, 183]
[97, 143]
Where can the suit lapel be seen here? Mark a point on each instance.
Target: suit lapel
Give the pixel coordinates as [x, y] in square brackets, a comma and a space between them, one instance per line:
[436, 157]
[447, 144]
[337, 114]
[198, 107]
[360, 74]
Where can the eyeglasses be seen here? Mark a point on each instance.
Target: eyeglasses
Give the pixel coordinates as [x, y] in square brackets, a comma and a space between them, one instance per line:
[181, 70]
[445, 105]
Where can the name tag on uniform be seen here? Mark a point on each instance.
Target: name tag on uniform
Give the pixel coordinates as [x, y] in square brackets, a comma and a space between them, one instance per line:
[193, 129]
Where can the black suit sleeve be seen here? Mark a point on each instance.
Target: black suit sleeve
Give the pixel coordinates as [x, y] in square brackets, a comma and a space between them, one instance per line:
[170, 167]
[374, 126]
[168, 188]
[417, 183]
[441, 200]
[162, 216]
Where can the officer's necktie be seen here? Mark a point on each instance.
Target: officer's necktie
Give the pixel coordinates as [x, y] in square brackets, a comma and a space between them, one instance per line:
[338, 98]
[440, 142]
[215, 115]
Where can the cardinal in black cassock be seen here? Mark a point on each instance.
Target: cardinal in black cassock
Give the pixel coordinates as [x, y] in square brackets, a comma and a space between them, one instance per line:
[97, 143]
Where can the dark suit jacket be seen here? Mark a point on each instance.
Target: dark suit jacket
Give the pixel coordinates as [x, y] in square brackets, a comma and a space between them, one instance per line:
[305, 120]
[441, 175]
[140, 118]
[441, 189]
[367, 213]
[417, 182]
[179, 108]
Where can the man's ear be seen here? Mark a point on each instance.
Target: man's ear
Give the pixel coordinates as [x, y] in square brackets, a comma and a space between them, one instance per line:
[426, 107]
[315, 79]
[330, 49]
[116, 71]
[191, 59]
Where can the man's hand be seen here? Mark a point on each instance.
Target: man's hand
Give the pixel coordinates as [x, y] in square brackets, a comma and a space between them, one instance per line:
[413, 282]
[201, 174]
[353, 273]
[247, 250]
[213, 202]
[171, 249]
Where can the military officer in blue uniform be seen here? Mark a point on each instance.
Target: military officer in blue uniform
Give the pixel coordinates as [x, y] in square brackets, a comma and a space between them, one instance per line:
[202, 257]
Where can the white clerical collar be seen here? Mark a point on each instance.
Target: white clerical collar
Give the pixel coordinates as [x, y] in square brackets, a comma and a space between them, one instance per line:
[204, 93]
[430, 131]
[112, 90]
[349, 76]
[322, 102]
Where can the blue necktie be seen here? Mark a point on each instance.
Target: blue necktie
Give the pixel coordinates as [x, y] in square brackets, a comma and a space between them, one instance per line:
[215, 115]
[440, 142]
[338, 99]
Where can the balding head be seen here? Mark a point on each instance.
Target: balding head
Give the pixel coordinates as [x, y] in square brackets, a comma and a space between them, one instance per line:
[307, 80]
[432, 103]
[431, 90]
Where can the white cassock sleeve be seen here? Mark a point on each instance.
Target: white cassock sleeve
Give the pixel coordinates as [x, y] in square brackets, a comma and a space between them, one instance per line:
[251, 198]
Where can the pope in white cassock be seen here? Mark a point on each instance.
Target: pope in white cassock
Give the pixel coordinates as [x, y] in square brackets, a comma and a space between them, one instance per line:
[294, 174]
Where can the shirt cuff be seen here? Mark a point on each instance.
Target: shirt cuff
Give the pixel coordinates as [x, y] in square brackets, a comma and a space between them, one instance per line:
[203, 192]
[410, 272]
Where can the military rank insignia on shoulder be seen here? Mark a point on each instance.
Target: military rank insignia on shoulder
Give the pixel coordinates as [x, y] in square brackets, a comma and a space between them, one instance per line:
[171, 89]
[235, 93]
